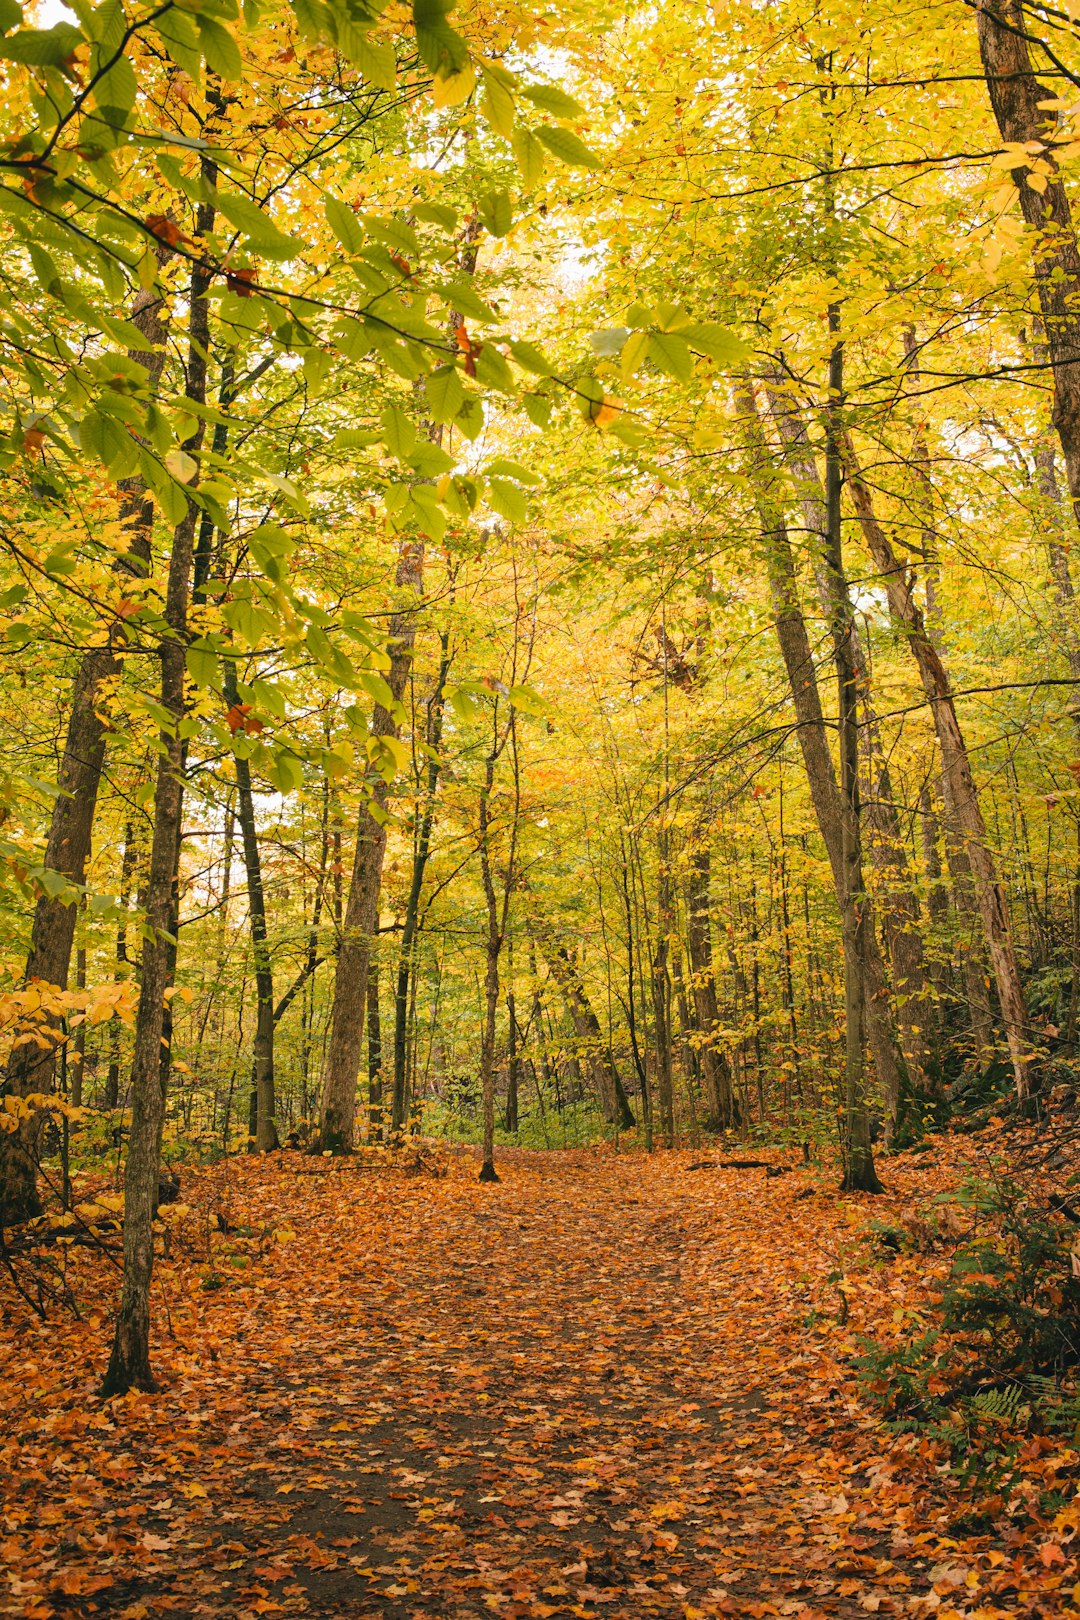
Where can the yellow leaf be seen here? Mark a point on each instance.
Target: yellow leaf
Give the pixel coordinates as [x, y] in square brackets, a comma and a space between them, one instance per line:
[454, 88]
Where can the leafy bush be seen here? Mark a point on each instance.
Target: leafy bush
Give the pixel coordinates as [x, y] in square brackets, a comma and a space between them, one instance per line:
[1003, 1342]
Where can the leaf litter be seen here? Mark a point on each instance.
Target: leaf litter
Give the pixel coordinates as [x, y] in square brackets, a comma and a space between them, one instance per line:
[604, 1387]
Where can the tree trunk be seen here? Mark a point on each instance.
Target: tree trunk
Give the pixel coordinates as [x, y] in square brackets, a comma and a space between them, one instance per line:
[1015, 95]
[416, 883]
[265, 1135]
[129, 1364]
[957, 779]
[661, 999]
[722, 1112]
[859, 1174]
[810, 721]
[491, 976]
[512, 1051]
[338, 1105]
[613, 1098]
[900, 903]
[30, 1066]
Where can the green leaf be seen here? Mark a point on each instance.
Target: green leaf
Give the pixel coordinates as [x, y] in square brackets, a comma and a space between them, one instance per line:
[538, 409]
[42, 47]
[374, 57]
[10, 15]
[430, 460]
[463, 703]
[220, 49]
[493, 371]
[497, 213]
[531, 358]
[527, 700]
[568, 147]
[285, 770]
[608, 342]
[470, 418]
[262, 233]
[399, 433]
[344, 224]
[498, 104]
[506, 499]
[529, 156]
[440, 47]
[672, 354]
[330, 656]
[426, 512]
[115, 92]
[550, 99]
[180, 37]
[376, 687]
[502, 468]
[717, 342]
[445, 394]
[202, 662]
[437, 214]
[463, 297]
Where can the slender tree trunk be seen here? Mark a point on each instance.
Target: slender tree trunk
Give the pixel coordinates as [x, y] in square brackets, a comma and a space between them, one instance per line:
[77, 1060]
[661, 998]
[129, 1364]
[375, 1051]
[900, 903]
[512, 1051]
[956, 773]
[860, 1174]
[810, 721]
[265, 1134]
[722, 1112]
[586, 1025]
[338, 1106]
[493, 945]
[416, 884]
[30, 1066]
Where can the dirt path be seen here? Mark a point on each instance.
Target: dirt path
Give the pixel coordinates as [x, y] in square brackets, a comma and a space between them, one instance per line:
[586, 1391]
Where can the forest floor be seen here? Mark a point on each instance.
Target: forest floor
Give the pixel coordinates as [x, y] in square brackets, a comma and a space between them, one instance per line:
[608, 1386]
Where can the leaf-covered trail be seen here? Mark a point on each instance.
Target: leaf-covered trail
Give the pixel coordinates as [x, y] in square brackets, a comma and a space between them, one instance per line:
[590, 1390]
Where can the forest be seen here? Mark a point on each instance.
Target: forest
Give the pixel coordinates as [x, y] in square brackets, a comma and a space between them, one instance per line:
[539, 808]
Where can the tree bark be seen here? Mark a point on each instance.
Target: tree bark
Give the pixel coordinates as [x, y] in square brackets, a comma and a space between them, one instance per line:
[957, 778]
[30, 1066]
[1015, 96]
[613, 1098]
[722, 1112]
[410, 924]
[825, 795]
[337, 1109]
[265, 1133]
[129, 1363]
[859, 1173]
[899, 906]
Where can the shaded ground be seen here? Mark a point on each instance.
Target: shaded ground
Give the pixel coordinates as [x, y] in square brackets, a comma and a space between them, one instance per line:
[599, 1388]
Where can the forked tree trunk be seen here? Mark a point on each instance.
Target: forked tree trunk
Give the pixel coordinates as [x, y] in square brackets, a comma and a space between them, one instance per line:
[30, 1067]
[824, 794]
[899, 904]
[129, 1363]
[956, 773]
[337, 1110]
